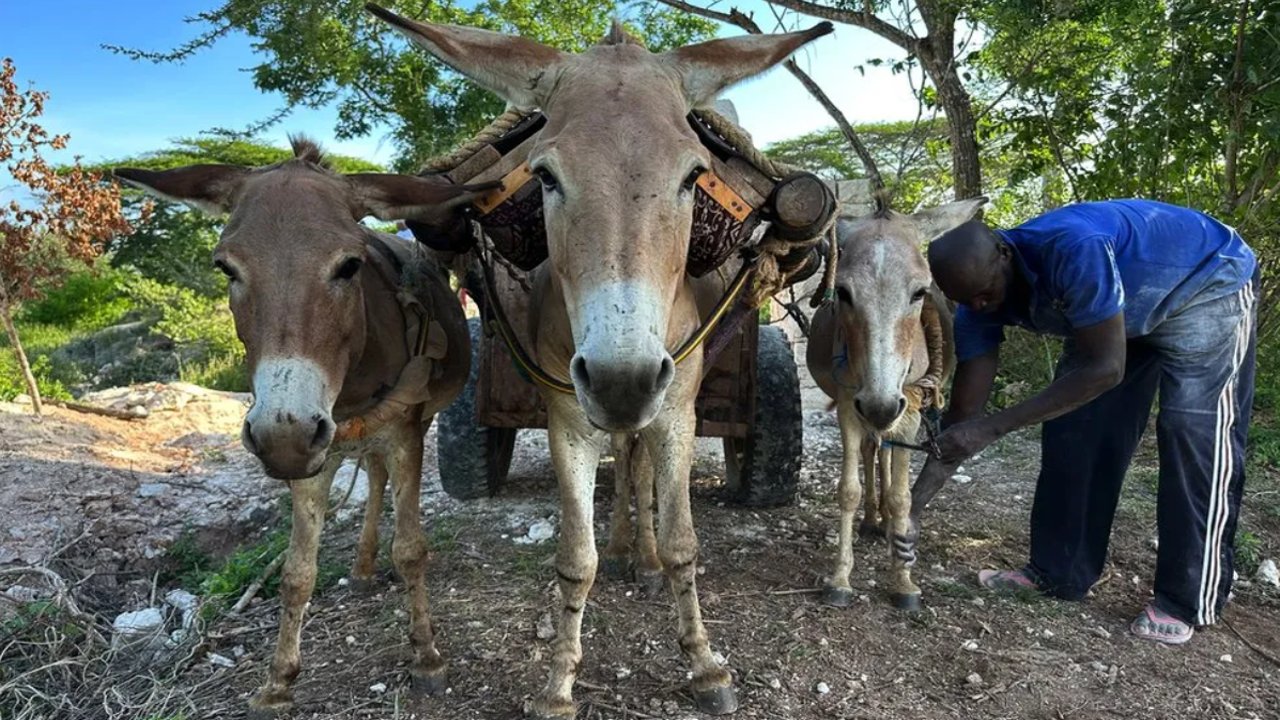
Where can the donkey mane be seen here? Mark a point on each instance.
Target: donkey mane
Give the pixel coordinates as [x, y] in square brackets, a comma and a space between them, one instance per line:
[880, 204]
[618, 35]
[308, 150]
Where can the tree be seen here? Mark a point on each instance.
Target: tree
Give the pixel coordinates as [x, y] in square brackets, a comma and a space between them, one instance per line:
[71, 214]
[318, 52]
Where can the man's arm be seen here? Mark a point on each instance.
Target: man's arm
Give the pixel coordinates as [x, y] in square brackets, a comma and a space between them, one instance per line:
[969, 394]
[1100, 350]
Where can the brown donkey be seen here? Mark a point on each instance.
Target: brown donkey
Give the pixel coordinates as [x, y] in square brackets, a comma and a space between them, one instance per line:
[618, 162]
[354, 342]
[869, 352]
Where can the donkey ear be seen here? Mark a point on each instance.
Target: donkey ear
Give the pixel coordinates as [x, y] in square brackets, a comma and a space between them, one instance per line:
[513, 67]
[707, 68]
[406, 197]
[933, 222]
[209, 188]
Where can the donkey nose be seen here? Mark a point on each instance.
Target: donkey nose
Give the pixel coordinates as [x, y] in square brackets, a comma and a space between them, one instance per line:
[639, 375]
[880, 412]
[292, 447]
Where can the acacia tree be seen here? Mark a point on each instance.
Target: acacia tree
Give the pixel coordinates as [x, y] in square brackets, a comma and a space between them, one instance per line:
[318, 53]
[70, 215]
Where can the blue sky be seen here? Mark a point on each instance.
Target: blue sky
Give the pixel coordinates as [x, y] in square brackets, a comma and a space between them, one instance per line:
[114, 107]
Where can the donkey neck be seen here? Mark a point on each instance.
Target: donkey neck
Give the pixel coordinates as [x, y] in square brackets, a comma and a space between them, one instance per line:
[386, 347]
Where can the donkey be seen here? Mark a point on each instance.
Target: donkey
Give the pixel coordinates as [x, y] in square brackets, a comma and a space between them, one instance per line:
[325, 318]
[868, 352]
[618, 162]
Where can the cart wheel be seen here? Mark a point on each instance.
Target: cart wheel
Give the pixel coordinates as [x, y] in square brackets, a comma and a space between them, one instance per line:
[763, 469]
[474, 459]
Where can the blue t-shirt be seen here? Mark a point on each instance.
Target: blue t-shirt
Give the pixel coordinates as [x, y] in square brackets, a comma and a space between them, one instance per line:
[1087, 262]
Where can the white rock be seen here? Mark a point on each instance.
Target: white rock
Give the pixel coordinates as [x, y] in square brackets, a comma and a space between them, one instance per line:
[1047, 633]
[962, 479]
[221, 660]
[21, 593]
[351, 639]
[1101, 632]
[622, 673]
[1099, 666]
[970, 645]
[1268, 573]
[539, 532]
[343, 582]
[775, 683]
[823, 688]
[139, 622]
[979, 602]
[378, 688]
[546, 629]
[1225, 659]
[974, 679]
[719, 659]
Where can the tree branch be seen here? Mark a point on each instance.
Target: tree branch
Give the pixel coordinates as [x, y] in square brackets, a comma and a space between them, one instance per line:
[864, 19]
[744, 21]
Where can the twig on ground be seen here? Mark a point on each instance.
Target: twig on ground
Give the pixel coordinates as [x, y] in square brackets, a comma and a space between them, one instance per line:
[1251, 645]
[267, 572]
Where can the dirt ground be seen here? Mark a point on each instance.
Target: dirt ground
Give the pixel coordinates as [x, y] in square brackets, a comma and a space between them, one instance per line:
[967, 655]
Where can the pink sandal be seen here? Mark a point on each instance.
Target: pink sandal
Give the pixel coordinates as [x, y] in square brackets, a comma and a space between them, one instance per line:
[1161, 627]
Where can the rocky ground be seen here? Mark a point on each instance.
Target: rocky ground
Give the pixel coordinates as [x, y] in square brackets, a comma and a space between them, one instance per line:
[97, 502]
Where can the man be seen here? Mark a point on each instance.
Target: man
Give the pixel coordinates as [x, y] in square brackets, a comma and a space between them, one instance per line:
[1148, 296]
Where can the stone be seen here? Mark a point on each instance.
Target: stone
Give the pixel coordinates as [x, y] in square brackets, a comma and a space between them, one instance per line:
[1268, 573]
[1225, 658]
[822, 688]
[962, 479]
[970, 645]
[974, 679]
[221, 660]
[539, 532]
[546, 629]
[775, 683]
[139, 622]
[378, 688]
[149, 490]
[185, 603]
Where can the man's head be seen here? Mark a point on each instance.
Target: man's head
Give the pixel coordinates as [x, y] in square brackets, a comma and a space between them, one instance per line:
[973, 266]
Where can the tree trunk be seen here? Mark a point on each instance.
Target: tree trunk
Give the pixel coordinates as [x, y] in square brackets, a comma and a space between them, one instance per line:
[962, 126]
[6, 315]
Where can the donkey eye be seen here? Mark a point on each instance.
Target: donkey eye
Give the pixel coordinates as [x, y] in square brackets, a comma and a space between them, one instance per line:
[843, 295]
[348, 269]
[692, 179]
[549, 182]
[226, 269]
[918, 295]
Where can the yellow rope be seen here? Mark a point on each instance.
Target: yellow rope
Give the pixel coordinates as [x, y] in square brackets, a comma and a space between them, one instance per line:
[496, 129]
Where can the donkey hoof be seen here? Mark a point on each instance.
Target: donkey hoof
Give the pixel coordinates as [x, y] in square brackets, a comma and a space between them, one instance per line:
[616, 568]
[268, 706]
[716, 700]
[837, 596]
[652, 583]
[906, 602]
[363, 586]
[870, 531]
[429, 682]
[546, 709]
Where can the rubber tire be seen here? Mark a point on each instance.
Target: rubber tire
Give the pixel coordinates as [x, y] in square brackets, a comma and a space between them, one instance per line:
[474, 459]
[763, 469]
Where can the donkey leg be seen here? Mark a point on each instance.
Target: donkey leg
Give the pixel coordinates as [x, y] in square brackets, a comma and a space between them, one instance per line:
[885, 456]
[670, 443]
[872, 517]
[366, 562]
[616, 559]
[310, 502]
[838, 591]
[648, 566]
[409, 553]
[575, 453]
[904, 593]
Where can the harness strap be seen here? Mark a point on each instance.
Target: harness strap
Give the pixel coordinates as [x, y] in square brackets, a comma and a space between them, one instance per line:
[413, 383]
[530, 367]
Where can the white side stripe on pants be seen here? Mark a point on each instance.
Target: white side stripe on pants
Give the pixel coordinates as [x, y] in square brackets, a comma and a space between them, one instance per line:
[1223, 468]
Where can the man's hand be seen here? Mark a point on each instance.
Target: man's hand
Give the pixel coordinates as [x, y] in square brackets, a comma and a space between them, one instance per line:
[964, 440]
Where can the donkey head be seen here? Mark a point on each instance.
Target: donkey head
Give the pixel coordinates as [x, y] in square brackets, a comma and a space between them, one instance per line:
[294, 251]
[881, 282]
[617, 161]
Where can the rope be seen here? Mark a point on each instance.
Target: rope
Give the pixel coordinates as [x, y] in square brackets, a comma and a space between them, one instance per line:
[496, 129]
[741, 141]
